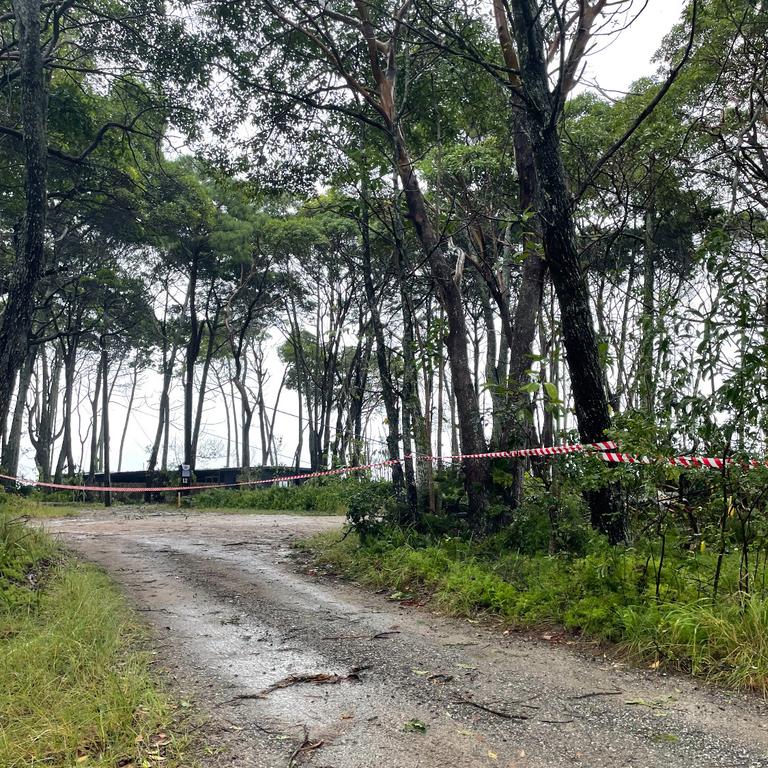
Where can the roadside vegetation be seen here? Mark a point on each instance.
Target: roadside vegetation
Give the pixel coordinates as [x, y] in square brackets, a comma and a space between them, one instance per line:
[688, 593]
[321, 497]
[76, 686]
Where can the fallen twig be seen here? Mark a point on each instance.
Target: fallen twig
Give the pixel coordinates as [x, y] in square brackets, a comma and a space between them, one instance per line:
[592, 695]
[305, 746]
[498, 713]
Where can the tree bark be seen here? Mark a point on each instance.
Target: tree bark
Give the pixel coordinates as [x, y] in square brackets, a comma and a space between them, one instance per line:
[30, 251]
[13, 445]
[568, 278]
[105, 392]
[387, 390]
[476, 472]
[134, 382]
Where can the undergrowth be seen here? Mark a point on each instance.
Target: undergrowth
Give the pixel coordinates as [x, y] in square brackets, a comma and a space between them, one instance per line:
[75, 685]
[604, 593]
[313, 497]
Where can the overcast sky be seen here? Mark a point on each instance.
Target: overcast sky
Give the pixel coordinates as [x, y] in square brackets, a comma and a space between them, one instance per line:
[613, 65]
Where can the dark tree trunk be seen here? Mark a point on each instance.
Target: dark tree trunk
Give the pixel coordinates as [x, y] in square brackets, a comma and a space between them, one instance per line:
[105, 392]
[387, 390]
[13, 446]
[212, 330]
[568, 278]
[94, 457]
[192, 352]
[134, 382]
[66, 456]
[30, 248]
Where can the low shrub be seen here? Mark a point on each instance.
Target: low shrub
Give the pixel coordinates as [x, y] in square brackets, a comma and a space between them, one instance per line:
[317, 497]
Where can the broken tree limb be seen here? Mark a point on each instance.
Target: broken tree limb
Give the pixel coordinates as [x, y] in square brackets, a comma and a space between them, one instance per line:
[318, 678]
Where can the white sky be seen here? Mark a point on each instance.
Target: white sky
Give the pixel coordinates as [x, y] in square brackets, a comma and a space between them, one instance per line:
[614, 66]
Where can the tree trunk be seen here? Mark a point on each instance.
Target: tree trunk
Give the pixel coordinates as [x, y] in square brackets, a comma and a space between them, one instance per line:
[568, 278]
[193, 350]
[94, 456]
[13, 446]
[128, 414]
[105, 391]
[30, 250]
[66, 457]
[646, 373]
[212, 329]
[387, 390]
[476, 472]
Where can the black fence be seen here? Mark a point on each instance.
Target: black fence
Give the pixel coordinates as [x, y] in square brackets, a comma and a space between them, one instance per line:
[141, 478]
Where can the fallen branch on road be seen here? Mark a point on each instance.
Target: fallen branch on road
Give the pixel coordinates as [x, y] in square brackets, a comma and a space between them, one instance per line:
[498, 713]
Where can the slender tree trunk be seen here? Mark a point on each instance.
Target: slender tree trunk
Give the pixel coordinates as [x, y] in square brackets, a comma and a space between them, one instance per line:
[94, 455]
[169, 361]
[28, 266]
[66, 456]
[646, 373]
[193, 350]
[387, 390]
[13, 446]
[105, 420]
[128, 415]
[271, 436]
[212, 329]
[476, 474]
[440, 399]
[235, 427]
[166, 440]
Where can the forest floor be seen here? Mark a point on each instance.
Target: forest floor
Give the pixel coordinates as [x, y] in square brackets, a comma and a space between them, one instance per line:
[288, 667]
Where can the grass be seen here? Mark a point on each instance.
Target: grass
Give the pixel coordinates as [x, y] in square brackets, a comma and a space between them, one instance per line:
[76, 686]
[606, 594]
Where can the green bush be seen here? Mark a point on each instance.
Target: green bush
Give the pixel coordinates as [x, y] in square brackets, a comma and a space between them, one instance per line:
[318, 496]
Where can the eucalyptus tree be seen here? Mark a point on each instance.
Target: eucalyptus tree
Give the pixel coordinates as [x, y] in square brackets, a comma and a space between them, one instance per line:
[349, 64]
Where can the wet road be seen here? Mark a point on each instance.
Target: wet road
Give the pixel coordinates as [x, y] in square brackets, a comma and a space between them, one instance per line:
[233, 614]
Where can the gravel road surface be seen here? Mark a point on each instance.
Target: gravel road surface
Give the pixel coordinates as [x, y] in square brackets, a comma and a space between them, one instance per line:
[233, 613]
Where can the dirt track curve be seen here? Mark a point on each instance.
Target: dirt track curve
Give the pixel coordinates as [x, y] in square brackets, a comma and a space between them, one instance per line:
[232, 614]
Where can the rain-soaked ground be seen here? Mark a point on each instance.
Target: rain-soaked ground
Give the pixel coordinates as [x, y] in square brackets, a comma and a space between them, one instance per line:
[233, 614]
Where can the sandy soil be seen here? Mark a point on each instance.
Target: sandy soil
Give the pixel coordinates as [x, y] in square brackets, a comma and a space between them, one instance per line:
[234, 613]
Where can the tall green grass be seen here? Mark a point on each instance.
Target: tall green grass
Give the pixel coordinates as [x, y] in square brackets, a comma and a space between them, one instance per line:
[606, 594]
[75, 686]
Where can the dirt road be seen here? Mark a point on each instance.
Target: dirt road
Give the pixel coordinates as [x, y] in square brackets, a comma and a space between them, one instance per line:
[233, 615]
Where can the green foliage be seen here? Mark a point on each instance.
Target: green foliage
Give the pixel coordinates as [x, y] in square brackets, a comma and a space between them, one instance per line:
[315, 497]
[25, 556]
[371, 506]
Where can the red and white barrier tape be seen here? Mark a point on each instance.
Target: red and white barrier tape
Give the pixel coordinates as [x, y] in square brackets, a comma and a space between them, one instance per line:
[163, 488]
[554, 450]
[689, 462]
[604, 450]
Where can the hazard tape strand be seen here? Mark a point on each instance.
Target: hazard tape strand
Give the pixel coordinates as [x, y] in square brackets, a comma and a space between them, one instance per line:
[604, 450]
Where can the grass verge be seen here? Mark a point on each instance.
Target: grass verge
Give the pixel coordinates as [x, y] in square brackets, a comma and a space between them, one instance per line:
[607, 594]
[75, 683]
